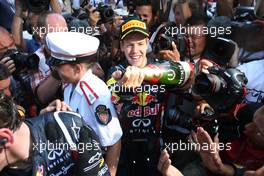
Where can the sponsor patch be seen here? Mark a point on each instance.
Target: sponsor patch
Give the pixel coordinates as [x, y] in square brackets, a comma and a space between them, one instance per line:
[132, 24]
[103, 114]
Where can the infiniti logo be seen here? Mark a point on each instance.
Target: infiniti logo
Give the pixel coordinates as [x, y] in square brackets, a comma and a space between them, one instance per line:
[139, 122]
[53, 154]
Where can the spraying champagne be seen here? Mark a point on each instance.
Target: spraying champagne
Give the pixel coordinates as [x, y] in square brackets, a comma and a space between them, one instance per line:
[169, 73]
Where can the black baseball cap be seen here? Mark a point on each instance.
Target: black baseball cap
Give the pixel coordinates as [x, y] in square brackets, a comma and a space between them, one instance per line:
[133, 25]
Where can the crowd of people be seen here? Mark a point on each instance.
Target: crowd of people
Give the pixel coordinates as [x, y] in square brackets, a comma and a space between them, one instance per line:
[126, 88]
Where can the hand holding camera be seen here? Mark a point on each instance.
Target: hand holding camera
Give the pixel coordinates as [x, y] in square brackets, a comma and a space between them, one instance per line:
[172, 55]
[9, 63]
[17, 62]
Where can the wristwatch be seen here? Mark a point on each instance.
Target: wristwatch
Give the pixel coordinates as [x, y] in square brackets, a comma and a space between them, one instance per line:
[239, 170]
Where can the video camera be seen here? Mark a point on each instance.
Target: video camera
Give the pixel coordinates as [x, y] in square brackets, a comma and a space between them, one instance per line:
[22, 60]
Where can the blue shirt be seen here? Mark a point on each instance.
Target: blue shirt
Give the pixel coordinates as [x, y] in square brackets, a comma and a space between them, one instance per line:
[32, 45]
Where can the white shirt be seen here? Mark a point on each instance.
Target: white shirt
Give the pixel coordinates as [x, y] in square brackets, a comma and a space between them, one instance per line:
[254, 72]
[89, 94]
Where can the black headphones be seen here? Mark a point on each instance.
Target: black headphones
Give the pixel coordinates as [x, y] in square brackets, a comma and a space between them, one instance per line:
[3, 141]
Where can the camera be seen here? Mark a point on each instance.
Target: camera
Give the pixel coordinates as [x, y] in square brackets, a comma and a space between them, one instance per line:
[219, 50]
[222, 88]
[106, 13]
[163, 41]
[185, 122]
[22, 60]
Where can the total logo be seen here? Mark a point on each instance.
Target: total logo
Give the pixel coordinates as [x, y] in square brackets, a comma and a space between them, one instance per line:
[147, 111]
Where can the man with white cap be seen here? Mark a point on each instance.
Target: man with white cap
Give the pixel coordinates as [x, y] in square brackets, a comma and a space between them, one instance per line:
[72, 55]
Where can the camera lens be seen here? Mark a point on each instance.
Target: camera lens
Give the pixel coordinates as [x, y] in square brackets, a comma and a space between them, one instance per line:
[207, 83]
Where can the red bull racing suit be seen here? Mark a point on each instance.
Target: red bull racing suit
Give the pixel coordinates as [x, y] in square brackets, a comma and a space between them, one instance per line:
[140, 114]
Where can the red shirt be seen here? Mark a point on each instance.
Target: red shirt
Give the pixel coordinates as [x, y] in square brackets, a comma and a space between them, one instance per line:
[244, 154]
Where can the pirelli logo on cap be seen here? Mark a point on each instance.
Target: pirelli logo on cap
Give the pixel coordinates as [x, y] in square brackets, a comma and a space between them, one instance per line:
[134, 23]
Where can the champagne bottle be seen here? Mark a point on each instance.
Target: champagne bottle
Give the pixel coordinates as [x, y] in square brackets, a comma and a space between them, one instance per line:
[169, 73]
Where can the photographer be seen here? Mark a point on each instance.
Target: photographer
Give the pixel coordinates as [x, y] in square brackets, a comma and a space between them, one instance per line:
[237, 160]
[109, 53]
[27, 45]
[148, 12]
[45, 83]
[17, 64]
[6, 42]
[27, 14]
[245, 158]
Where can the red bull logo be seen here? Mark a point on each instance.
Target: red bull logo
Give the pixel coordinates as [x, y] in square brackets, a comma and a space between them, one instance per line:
[143, 99]
[146, 111]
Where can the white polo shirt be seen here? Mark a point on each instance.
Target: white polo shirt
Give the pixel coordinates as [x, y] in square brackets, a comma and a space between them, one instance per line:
[92, 99]
[254, 71]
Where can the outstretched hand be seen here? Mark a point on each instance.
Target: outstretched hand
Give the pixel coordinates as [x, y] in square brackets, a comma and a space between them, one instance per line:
[56, 105]
[209, 152]
[132, 78]
[165, 167]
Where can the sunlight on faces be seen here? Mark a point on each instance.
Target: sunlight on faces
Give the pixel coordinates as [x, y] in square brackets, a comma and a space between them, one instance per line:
[197, 40]
[54, 23]
[6, 42]
[145, 13]
[135, 47]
